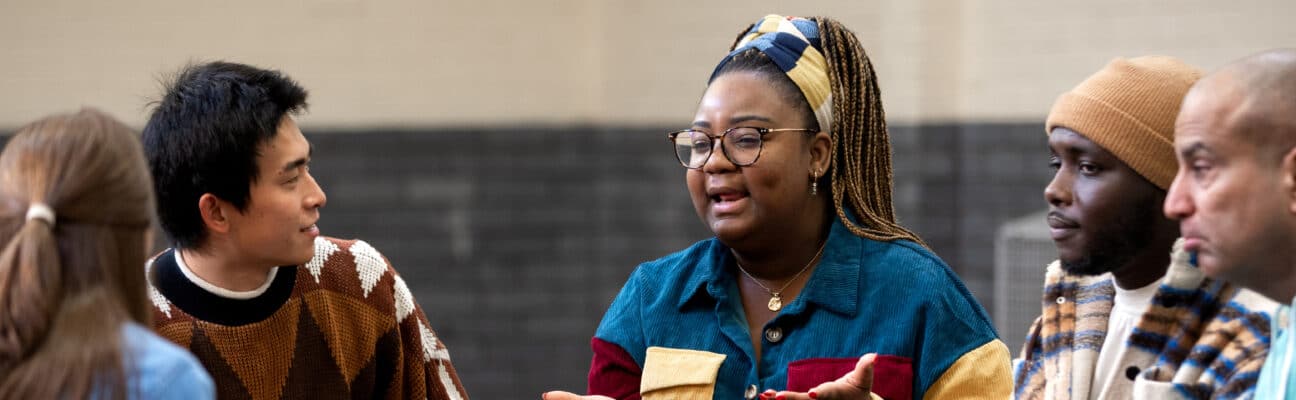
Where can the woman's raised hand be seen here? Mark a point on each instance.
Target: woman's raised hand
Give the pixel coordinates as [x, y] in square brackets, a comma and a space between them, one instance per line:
[856, 384]
[559, 395]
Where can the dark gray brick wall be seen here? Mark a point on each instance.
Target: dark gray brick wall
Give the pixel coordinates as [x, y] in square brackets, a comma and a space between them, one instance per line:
[514, 241]
[956, 184]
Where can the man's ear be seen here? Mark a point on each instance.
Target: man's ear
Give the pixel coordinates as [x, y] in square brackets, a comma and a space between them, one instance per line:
[1288, 178]
[215, 213]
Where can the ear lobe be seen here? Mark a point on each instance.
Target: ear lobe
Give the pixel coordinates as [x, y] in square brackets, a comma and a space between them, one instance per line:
[214, 213]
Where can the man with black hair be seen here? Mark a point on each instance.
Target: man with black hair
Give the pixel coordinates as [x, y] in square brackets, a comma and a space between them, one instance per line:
[271, 308]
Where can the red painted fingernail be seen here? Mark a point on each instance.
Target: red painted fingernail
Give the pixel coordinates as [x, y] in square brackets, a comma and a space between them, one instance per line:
[780, 397]
[814, 395]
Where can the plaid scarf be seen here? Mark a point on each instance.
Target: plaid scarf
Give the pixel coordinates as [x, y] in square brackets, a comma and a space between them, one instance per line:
[1199, 338]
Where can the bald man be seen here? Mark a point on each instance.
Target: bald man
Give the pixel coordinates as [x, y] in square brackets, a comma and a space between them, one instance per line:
[1235, 191]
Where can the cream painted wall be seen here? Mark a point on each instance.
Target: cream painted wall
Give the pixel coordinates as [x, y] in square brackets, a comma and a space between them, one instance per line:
[1019, 55]
[400, 62]
[435, 63]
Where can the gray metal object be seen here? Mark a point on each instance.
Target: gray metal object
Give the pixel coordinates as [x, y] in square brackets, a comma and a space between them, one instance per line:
[1023, 249]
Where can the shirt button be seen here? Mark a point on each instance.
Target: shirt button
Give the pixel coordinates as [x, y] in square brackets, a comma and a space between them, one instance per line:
[774, 335]
[1061, 300]
[751, 392]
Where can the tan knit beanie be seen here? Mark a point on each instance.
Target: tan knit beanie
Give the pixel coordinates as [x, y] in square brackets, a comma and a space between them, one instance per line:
[1129, 108]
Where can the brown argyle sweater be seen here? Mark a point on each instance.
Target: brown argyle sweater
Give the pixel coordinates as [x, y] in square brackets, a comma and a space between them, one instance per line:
[344, 325]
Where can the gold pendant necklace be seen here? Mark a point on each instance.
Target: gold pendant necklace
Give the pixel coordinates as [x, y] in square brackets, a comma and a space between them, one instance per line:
[776, 301]
[776, 296]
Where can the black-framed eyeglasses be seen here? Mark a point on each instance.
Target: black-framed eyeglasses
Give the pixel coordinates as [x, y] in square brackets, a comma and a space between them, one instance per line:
[741, 145]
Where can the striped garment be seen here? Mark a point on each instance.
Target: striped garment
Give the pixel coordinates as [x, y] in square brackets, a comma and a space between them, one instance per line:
[793, 44]
[1200, 338]
[344, 325]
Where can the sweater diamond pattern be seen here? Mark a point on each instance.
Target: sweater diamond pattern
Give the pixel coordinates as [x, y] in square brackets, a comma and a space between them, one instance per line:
[404, 300]
[156, 297]
[318, 332]
[369, 264]
[323, 250]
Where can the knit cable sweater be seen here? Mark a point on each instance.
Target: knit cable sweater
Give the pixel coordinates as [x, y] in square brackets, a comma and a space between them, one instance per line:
[344, 325]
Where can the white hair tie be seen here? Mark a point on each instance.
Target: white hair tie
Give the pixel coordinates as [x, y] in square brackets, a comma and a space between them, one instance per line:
[42, 212]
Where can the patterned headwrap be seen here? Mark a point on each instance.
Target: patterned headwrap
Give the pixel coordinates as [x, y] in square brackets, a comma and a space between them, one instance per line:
[793, 44]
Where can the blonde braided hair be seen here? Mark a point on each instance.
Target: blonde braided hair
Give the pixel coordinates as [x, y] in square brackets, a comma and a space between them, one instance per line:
[861, 165]
[861, 162]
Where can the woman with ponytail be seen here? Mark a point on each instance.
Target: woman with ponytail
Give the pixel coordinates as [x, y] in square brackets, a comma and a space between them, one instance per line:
[76, 207]
[809, 277]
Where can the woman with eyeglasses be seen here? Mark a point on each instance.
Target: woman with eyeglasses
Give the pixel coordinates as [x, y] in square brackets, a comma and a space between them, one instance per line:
[76, 205]
[809, 288]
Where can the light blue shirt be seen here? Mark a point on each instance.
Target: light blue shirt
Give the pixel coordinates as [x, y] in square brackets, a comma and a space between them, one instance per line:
[162, 370]
[1277, 377]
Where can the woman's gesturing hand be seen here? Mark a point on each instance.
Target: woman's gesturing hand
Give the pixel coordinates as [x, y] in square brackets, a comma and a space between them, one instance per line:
[558, 395]
[856, 384]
